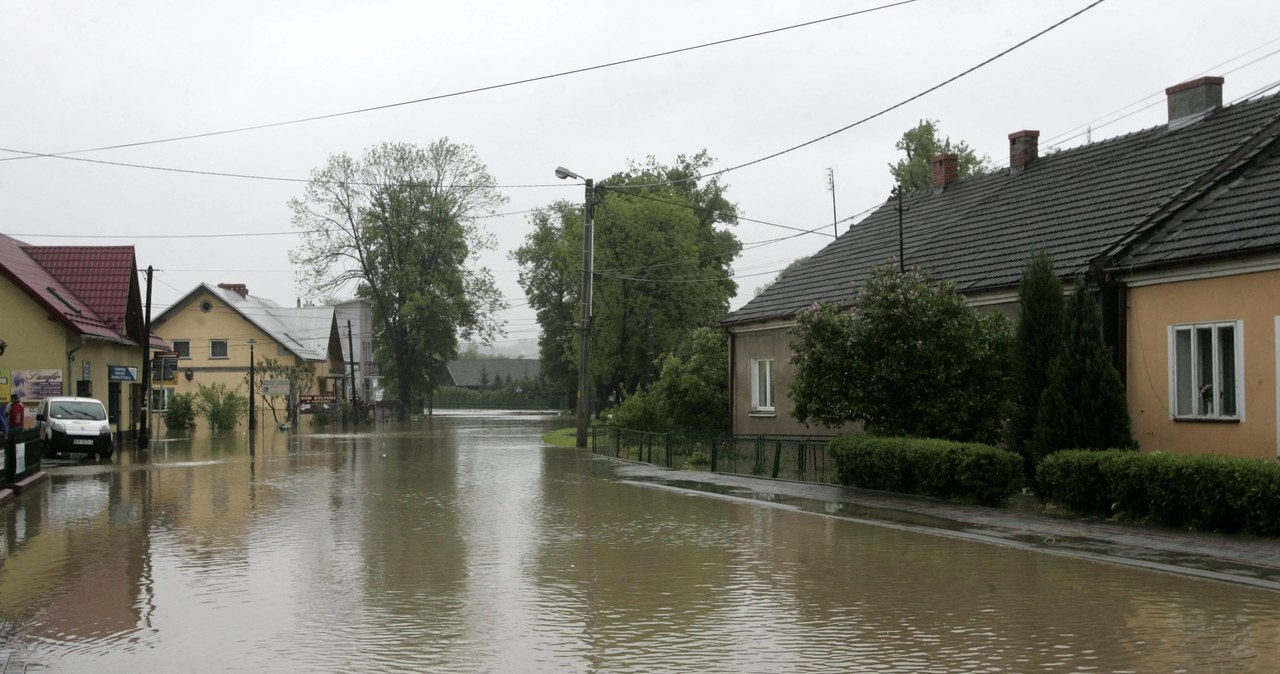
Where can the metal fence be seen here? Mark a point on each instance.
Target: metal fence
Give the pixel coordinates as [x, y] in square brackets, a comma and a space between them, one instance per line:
[793, 457]
[22, 451]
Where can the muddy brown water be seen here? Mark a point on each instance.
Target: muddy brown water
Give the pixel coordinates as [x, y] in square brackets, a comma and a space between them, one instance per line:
[462, 544]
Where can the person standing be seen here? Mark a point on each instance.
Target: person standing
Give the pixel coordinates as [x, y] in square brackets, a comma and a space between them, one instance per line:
[17, 414]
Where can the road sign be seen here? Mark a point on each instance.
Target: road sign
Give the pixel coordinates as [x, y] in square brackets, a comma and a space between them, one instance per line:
[275, 387]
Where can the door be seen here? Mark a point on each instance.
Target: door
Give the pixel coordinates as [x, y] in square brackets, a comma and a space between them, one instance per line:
[113, 403]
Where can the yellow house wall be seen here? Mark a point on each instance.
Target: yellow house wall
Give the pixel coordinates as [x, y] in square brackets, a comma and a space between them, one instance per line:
[36, 341]
[200, 328]
[1253, 299]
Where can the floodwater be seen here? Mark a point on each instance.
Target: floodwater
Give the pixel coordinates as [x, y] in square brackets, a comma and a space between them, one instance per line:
[461, 544]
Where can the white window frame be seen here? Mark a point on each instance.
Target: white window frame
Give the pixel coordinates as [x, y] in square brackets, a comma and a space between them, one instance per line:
[1204, 396]
[763, 398]
[181, 355]
[166, 394]
[226, 345]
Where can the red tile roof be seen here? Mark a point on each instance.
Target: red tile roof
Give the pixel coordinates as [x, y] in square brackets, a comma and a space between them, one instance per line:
[101, 277]
[85, 287]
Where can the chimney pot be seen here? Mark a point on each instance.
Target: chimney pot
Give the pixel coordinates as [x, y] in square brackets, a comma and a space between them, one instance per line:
[1024, 147]
[240, 288]
[1190, 101]
[946, 169]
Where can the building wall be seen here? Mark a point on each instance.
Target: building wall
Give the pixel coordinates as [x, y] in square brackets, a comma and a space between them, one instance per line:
[38, 342]
[199, 327]
[1253, 299]
[35, 341]
[758, 342]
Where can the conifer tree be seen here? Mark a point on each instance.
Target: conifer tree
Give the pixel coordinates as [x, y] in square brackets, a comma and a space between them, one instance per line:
[1038, 340]
[1084, 406]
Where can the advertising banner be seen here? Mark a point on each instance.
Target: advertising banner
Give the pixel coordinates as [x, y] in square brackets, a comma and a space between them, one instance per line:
[317, 404]
[36, 384]
[275, 387]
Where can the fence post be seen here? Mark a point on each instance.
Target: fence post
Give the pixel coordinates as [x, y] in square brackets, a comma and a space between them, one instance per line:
[800, 460]
[777, 458]
[715, 445]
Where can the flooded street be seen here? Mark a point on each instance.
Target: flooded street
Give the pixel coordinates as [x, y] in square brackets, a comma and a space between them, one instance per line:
[461, 544]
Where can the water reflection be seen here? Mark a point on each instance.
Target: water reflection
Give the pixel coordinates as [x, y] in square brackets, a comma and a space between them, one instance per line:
[461, 544]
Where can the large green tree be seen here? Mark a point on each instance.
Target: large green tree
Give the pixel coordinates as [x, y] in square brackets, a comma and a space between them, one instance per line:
[1037, 343]
[397, 226]
[662, 268]
[909, 359]
[920, 144]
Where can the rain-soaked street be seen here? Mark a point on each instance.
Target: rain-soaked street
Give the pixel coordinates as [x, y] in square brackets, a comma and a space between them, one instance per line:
[462, 544]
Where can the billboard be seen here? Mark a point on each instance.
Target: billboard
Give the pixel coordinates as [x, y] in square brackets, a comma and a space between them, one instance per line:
[36, 384]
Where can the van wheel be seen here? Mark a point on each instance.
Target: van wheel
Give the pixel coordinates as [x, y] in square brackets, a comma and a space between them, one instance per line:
[105, 454]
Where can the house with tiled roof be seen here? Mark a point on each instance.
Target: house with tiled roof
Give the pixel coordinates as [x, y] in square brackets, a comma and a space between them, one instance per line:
[73, 323]
[1176, 228]
[215, 330]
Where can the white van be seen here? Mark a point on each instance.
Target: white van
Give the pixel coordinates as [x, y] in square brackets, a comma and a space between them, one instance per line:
[75, 425]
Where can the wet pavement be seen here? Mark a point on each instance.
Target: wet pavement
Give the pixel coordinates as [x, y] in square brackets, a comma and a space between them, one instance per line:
[1246, 560]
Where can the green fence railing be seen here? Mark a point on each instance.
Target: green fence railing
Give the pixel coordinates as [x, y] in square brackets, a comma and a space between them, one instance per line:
[792, 457]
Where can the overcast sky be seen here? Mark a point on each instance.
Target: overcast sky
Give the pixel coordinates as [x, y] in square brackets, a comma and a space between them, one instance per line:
[80, 75]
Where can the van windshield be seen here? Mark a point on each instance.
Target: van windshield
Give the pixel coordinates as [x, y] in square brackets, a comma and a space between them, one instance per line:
[76, 409]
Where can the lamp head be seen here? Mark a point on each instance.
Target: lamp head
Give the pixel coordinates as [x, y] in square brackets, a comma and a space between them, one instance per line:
[562, 173]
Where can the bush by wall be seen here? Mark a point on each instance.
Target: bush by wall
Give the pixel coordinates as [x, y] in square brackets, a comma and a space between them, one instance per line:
[958, 471]
[1204, 491]
[180, 413]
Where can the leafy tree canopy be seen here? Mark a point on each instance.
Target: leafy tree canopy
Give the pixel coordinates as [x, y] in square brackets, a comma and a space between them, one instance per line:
[399, 224]
[691, 393]
[662, 263]
[921, 144]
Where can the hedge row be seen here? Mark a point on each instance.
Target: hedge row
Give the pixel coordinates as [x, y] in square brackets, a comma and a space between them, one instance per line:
[957, 471]
[1203, 491]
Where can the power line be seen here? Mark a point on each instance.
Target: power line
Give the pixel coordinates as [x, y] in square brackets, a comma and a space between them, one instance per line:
[465, 92]
[905, 101]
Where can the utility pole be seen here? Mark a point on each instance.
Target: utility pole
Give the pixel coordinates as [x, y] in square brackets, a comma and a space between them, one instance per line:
[831, 185]
[144, 431]
[648, 373]
[588, 251]
[351, 349]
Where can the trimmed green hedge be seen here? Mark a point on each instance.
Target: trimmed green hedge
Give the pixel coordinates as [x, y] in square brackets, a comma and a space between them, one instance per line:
[1201, 491]
[959, 471]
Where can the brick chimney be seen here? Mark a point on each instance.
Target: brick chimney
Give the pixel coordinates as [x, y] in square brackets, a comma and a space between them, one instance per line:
[1190, 101]
[1024, 147]
[240, 288]
[946, 168]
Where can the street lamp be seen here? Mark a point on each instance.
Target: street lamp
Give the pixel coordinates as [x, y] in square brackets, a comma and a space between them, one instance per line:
[588, 249]
[253, 422]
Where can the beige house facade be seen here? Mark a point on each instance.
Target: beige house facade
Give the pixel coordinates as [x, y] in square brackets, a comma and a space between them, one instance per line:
[216, 330]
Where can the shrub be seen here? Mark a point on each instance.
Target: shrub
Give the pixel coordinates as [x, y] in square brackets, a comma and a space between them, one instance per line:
[910, 359]
[957, 471]
[222, 407]
[180, 411]
[1205, 492]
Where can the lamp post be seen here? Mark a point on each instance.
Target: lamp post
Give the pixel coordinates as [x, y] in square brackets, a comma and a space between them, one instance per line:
[253, 422]
[584, 348]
